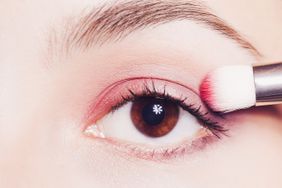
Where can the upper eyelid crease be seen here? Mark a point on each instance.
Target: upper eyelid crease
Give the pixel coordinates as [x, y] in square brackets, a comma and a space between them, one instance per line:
[111, 87]
[92, 114]
[116, 21]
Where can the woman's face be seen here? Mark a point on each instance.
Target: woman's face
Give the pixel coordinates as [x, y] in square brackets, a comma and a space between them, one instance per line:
[65, 64]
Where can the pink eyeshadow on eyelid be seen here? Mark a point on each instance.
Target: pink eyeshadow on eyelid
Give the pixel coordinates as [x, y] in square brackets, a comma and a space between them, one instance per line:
[113, 94]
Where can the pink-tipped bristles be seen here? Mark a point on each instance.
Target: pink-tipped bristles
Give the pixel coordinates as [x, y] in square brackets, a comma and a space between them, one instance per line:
[229, 88]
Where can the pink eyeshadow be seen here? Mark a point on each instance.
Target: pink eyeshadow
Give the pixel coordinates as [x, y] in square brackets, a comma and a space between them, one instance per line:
[114, 94]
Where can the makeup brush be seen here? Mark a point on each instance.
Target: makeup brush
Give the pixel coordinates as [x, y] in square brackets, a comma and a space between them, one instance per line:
[230, 88]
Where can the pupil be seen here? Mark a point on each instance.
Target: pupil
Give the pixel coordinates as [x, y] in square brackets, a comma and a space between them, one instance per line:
[153, 113]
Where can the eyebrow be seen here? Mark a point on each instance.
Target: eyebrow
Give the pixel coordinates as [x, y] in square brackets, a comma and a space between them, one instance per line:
[113, 22]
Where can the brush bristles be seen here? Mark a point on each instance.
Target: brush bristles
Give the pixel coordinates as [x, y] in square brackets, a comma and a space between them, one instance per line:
[229, 88]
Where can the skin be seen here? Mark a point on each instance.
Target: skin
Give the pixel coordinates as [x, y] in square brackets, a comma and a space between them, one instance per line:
[43, 98]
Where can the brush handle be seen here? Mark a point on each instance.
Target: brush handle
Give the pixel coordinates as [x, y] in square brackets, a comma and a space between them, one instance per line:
[268, 84]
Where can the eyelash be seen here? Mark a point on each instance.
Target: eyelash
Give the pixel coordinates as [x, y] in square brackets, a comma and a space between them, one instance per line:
[214, 127]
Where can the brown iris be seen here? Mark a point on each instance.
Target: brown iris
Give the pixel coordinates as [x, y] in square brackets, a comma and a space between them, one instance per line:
[154, 117]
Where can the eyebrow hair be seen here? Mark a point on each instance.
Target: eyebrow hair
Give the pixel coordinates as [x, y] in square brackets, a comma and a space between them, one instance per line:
[116, 21]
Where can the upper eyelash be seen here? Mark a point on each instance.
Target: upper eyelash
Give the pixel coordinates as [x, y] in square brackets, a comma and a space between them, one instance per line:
[213, 126]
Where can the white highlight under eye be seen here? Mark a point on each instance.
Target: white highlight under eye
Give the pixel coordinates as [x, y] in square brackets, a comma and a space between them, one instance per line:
[94, 131]
[118, 125]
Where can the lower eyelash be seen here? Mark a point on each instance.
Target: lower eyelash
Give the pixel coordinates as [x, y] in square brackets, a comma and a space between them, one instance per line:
[161, 154]
[213, 126]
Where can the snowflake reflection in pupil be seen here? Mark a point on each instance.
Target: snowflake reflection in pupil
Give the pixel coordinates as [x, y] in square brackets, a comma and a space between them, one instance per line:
[153, 113]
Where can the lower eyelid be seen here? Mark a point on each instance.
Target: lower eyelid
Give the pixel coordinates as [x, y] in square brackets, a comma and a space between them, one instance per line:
[171, 152]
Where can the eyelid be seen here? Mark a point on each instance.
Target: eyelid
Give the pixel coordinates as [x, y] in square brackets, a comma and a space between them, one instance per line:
[118, 91]
[104, 102]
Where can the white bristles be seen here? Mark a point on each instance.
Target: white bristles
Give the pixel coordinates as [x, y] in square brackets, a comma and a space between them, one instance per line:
[230, 88]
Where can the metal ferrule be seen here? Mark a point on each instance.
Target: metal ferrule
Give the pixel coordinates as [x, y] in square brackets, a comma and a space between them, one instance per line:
[268, 84]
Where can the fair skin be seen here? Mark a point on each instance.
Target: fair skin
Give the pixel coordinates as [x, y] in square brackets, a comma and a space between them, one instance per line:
[46, 90]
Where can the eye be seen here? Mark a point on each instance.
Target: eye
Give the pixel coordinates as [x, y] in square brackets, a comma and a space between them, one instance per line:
[153, 118]
[149, 121]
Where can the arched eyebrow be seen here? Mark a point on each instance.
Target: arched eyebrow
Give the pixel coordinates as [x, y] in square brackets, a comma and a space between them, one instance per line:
[115, 21]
